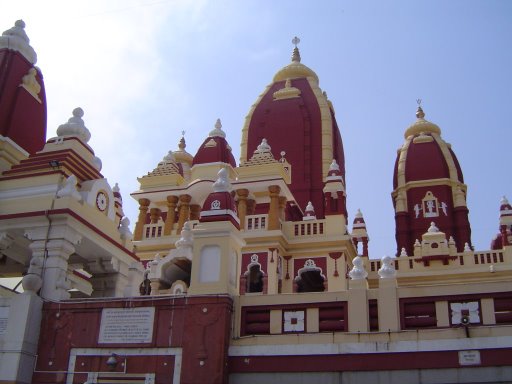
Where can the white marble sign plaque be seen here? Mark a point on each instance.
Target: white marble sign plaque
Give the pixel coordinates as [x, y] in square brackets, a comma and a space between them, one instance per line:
[469, 357]
[4, 318]
[126, 326]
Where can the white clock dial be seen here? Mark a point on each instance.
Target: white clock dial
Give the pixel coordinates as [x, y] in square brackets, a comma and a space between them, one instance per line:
[101, 201]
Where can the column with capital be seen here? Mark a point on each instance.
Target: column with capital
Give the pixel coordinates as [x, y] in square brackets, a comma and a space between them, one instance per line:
[195, 211]
[141, 221]
[172, 202]
[50, 259]
[155, 214]
[282, 208]
[184, 210]
[242, 194]
[273, 212]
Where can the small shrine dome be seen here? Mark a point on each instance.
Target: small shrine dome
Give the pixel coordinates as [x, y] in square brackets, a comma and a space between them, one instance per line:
[215, 148]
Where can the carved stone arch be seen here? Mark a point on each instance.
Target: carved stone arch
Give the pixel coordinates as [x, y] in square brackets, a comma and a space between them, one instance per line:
[310, 278]
[254, 279]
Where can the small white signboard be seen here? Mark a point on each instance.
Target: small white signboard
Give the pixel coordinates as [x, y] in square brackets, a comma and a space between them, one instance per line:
[469, 357]
[4, 318]
[126, 326]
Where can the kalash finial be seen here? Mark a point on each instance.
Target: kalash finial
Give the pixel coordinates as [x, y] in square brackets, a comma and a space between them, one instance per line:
[419, 113]
[182, 145]
[296, 53]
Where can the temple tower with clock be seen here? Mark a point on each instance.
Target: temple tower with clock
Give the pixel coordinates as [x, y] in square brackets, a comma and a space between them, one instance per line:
[428, 188]
[239, 273]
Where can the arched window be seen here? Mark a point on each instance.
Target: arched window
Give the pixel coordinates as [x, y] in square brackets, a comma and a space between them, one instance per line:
[310, 278]
[255, 279]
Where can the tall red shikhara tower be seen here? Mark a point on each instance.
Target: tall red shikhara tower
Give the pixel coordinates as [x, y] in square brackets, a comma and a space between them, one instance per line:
[297, 119]
[428, 187]
[22, 95]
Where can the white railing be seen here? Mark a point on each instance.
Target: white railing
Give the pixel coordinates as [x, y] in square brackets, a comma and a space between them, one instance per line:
[152, 231]
[256, 222]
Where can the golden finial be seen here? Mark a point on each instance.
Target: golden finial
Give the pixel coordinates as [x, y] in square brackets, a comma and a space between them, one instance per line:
[296, 54]
[182, 144]
[419, 113]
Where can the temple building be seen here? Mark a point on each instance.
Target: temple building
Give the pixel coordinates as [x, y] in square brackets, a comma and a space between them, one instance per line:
[239, 271]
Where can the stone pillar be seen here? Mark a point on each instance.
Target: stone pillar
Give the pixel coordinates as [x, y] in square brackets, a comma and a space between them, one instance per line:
[273, 212]
[172, 201]
[388, 309]
[141, 221]
[242, 205]
[282, 208]
[155, 214]
[52, 258]
[358, 320]
[272, 273]
[195, 211]
[184, 211]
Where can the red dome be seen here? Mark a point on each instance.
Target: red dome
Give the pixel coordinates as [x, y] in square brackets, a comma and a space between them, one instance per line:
[428, 185]
[294, 125]
[215, 149]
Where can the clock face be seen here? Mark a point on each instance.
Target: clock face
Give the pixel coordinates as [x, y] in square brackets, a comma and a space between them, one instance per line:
[101, 201]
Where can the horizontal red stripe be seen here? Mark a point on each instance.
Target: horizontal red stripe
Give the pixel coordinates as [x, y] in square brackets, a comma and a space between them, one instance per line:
[363, 362]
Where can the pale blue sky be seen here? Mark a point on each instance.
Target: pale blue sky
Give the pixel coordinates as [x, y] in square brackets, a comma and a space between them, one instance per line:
[143, 71]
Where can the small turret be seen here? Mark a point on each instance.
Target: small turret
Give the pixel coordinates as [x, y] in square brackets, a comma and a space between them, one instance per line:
[334, 191]
[213, 155]
[504, 237]
[215, 148]
[359, 233]
[309, 213]
[220, 204]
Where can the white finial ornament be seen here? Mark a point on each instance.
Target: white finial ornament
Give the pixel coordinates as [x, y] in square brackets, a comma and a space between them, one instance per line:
[295, 41]
[16, 39]
[124, 229]
[217, 132]
[334, 166]
[75, 126]
[263, 147]
[358, 272]
[403, 252]
[504, 200]
[222, 184]
[309, 212]
[387, 270]
[186, 240]
[433, 228]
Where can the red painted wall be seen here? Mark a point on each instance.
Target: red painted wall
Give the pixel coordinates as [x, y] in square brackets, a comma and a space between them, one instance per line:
[198, 325]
